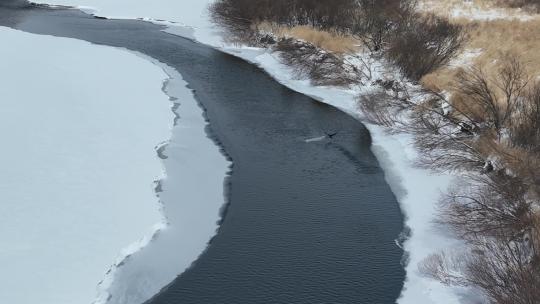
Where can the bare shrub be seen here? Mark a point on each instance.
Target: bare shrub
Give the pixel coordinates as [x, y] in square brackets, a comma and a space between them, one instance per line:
[497, 99]
[525, 130]
[318, 13]
[381, 109]
[446, 268]
[505, 272]
[448, 140]
[417, 44]
[488, 206]
[322, 67]
[375, 22]
[425, 44]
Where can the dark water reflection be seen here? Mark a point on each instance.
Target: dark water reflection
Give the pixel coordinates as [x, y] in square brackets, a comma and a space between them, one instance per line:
[308, 222]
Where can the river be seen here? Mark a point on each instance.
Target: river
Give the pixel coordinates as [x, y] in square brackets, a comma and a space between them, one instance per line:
[308, 219]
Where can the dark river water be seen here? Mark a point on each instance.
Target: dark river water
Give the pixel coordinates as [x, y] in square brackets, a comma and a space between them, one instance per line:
[307, 222]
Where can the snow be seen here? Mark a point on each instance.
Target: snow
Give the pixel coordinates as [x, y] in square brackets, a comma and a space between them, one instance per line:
[417, 190]
[79, 124]
[489, 14]
[465, 59]
[468, 9]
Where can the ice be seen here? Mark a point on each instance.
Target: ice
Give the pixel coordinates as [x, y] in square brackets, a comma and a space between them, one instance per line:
[79, 124]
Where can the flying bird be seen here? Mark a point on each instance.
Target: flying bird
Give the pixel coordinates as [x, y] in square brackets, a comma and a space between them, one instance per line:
[331, 135]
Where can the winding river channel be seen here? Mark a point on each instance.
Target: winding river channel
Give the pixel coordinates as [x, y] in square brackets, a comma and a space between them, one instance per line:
[307, 221]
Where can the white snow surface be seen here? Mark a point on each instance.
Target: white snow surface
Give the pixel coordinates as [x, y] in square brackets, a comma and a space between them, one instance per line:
[467, 9]
[417, 190]
[79, 125]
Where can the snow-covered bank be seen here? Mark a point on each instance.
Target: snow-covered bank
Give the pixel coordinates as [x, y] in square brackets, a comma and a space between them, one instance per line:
[79, 125]
[417, 190]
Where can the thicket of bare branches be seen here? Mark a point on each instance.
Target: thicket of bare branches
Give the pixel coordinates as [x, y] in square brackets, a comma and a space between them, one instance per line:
[380, 108]
[425, 43]
[502, 230]
[322, 67]
[375, 23]
[317, 13]
[494, 210]
[525, 132]
[504, 271]
[487, 118]
[492, 205]
[417, 44]
[496, 102]
[491, 132]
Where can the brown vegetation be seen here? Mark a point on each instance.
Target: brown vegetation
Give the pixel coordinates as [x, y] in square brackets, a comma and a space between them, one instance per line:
[322, 67]
[329, 40]
[491, 39]
[425, 45]
[417, 44]
[491, 137]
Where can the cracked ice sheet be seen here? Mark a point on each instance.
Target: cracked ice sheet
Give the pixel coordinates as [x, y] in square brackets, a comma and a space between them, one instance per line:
[79, 124]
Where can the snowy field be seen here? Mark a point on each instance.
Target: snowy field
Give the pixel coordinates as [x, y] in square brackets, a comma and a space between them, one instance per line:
[79, 125]
[417, 190]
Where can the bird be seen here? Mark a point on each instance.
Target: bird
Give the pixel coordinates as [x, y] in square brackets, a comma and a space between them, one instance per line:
[331, 135]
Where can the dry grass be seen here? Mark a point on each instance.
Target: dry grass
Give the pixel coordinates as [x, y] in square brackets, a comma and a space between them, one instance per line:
[331, 41]
[536, 231]
[506, 36]
[494, 39]
[489, 41]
